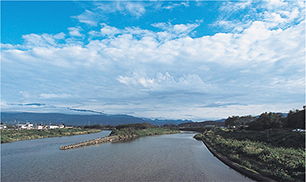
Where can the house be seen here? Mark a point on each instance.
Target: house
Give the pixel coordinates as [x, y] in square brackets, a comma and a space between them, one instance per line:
[61, 126]
[40, 127]
[53, 127]
[2, 127]
[27, 126]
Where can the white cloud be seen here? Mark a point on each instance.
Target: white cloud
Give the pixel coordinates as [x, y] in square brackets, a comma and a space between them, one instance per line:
[174, 31]
[75, 31]
[276, 13]
[175, 5]
[59, 36]
[39, 40]
[272, 4]
[230, 6]
[7, 46]
[135, 9]
[52, 96]
[167, 83]
[25, 94]
[43, 40]
[177, 28]
[108, 30]
[88, 17]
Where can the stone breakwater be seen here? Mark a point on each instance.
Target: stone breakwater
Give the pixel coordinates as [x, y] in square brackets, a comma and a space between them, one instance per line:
[97, 141]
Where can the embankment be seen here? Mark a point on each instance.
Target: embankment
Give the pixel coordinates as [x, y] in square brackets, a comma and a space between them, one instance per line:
[247, 172]
[97, 141]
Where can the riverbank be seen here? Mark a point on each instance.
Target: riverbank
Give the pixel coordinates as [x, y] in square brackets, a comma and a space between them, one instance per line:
[124, 132]
[241, 169]
[8, 136]
[248, 149]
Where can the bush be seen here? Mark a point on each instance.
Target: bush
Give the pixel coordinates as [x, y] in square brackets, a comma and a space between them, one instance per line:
[278, 162]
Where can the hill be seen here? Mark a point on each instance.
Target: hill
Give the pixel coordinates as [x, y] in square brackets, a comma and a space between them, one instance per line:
[78, 119]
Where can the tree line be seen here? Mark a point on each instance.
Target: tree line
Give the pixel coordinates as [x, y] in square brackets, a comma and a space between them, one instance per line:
[269, 120]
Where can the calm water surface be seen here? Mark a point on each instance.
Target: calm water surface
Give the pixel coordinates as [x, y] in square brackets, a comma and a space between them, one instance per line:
[176, 157]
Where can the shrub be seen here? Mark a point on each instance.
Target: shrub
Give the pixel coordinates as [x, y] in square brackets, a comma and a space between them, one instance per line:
[278, 162]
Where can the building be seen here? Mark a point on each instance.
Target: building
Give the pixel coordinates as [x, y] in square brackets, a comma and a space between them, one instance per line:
[27, 126]
[53, 127]
[2, 127]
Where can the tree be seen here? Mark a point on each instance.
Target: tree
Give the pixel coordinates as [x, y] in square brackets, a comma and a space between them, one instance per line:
[231, 121]
[267, 121]
[295, 119]
[247, 119]
[238, 121]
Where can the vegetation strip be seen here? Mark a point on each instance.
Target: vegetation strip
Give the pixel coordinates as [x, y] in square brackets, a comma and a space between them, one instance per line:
[16, 135]
[241, 169]
[124, 132]
[274, 159]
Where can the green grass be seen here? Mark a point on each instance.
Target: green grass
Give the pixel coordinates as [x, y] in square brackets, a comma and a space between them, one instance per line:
[144, 132]
[15, 135]
[139, 130]
[279, 155]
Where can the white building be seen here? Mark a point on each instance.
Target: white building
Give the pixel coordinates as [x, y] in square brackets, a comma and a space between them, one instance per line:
[53, 127]
[27, 126]
[2, 127]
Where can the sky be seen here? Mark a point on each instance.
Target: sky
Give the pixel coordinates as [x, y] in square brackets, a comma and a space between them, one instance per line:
[194, 60]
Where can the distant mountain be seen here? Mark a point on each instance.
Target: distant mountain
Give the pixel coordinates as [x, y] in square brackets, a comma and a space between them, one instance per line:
[78, 120]
[220, 120]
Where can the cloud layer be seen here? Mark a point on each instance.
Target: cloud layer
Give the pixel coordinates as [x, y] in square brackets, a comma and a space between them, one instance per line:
[251, 66]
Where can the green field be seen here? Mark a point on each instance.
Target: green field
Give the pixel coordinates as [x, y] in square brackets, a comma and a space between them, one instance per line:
[15, 135]
[277, 154]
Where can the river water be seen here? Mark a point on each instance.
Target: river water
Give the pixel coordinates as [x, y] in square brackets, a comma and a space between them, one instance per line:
[176, 157]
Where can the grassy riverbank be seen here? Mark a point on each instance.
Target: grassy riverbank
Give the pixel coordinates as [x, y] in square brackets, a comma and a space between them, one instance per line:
[16, 135]
[139, 130]
[277, 154]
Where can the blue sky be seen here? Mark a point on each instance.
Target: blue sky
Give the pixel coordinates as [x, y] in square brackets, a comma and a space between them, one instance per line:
[157, 59]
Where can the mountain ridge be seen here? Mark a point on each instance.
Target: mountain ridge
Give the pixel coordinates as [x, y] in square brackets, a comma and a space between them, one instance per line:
[80, 119]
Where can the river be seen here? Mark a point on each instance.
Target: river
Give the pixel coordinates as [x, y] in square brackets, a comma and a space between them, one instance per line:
[176, 157]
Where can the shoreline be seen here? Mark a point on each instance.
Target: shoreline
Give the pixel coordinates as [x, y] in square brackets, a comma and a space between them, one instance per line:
[21, 135]
[110, 138]
[237, 167]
